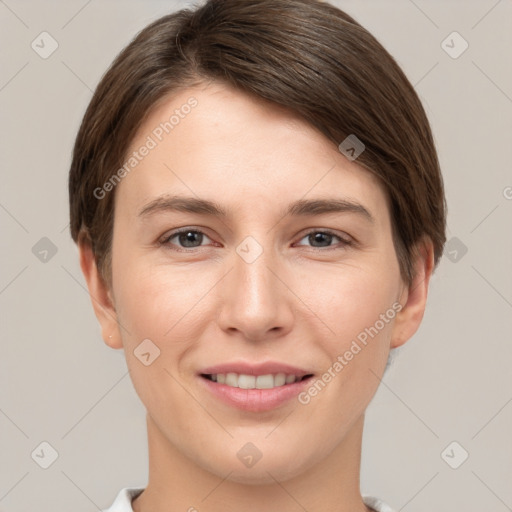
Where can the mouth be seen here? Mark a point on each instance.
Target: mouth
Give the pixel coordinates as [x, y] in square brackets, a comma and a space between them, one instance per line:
[245, 381]
[254, 388]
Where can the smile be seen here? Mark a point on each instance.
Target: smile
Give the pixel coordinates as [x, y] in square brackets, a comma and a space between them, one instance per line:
[254, 393]
[243, 381]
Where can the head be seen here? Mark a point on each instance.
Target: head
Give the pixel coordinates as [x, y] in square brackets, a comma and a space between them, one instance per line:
[253, 107]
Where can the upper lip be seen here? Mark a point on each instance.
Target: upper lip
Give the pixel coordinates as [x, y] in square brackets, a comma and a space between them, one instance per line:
[266, 368]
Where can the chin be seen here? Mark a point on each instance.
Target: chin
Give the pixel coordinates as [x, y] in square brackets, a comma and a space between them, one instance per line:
[265, 475]
[265, 471]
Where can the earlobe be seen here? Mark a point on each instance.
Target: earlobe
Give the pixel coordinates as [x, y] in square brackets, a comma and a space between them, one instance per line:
[101, 296]
[414, 296]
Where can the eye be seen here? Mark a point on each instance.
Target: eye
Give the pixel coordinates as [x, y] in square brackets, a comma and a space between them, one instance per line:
[324, 239]
[189, 238]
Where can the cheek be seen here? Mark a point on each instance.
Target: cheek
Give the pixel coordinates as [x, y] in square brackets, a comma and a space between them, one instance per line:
[358, 308]
[157, 303]
[362, 314]
[348, 300]
[356, 304]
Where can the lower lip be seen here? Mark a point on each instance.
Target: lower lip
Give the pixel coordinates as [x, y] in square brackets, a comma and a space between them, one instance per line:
[255, 400]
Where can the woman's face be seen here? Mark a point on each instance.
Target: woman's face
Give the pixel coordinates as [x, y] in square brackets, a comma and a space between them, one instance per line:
[310, 291]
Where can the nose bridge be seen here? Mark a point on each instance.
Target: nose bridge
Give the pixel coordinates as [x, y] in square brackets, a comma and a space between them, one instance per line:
[255, 300]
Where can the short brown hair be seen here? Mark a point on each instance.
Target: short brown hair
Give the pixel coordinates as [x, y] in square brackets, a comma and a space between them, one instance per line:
[306, 55]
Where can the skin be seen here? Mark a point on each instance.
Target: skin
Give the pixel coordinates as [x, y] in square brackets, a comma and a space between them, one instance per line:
[301, 302]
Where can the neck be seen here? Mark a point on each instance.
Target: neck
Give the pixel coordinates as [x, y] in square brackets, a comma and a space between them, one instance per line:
[177, 483]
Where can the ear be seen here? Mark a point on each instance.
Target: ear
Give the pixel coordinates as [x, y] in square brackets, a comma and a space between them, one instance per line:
[101, 296]
[414, 297]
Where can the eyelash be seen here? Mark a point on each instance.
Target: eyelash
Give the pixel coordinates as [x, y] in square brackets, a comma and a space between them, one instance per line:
[166, 240]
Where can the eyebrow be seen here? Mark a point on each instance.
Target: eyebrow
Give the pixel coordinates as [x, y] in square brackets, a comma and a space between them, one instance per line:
[302, 207]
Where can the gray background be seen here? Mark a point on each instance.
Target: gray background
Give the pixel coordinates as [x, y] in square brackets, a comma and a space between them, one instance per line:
[62, 385]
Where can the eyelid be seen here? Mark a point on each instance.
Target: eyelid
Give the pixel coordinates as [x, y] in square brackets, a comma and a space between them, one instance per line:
[342, 235]
[345, 238]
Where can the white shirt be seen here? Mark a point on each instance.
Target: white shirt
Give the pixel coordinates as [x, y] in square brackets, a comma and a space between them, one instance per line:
[123, 501]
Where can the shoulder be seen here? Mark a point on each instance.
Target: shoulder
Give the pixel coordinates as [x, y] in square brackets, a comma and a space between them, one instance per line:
[376, 504]
[123, 501]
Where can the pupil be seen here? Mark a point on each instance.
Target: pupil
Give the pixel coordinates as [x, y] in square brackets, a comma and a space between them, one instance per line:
[188, 238]
[319, 236]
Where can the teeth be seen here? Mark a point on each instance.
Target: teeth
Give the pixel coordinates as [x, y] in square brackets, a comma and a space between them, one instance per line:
[231, 380]
[279, 379]
[247, 381]
[252, 382]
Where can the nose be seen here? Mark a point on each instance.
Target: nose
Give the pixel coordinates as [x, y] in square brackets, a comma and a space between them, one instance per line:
[256, 302]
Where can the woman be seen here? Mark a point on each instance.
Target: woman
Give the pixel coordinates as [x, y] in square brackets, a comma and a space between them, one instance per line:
[258, 206]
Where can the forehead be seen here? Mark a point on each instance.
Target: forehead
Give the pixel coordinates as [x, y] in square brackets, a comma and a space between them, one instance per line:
[215, 142]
